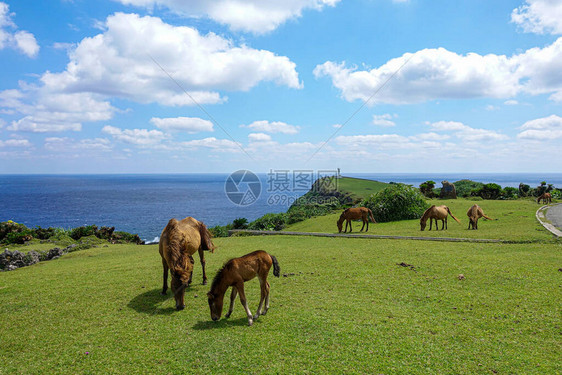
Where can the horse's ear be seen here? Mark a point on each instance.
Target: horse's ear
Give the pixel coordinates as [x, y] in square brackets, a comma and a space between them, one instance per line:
[206, 238]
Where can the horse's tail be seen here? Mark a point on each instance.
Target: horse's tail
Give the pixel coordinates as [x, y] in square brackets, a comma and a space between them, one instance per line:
[486, 217]
[206, 238]
[276, 268]
[371, 215]
[449, 211]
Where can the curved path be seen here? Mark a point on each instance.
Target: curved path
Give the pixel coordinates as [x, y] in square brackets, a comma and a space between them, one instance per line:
[349, 235]
[554, 216]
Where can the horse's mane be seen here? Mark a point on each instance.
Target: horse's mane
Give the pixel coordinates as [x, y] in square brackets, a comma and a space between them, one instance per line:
[220, 274]
[178, 259]
[426, 213]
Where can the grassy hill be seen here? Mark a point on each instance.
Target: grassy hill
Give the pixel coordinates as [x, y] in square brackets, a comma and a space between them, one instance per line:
[360, 188]
[514, 221]
[341, 306]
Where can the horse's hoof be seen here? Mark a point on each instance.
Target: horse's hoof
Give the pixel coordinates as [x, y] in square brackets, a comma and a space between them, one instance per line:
[227, 316]
[179, 308]
[250, 322]
[204, 282]
[163, 293]
[256, 316]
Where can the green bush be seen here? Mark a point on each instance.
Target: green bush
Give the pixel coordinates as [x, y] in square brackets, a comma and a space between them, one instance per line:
[79, 232]
[489, 191]
[269, 222]
[466, 187]
[426, 188]
[18, 237]
[240, 223]
[396, 202]
[220, 230]
[509, 193]
[524, 190]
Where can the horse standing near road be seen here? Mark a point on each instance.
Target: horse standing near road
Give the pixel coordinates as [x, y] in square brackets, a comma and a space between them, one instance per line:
[546, 198]
[436, 213]
[355, 213]
[178, 242]
[234, 274]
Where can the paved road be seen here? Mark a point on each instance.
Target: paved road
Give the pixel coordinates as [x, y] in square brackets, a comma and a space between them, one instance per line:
[554, 215]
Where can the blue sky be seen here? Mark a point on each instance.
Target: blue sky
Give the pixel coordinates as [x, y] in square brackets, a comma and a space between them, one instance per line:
[170, 86]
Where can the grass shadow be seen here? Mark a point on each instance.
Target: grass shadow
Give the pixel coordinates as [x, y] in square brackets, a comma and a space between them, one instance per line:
[149, 303]
[221, 324]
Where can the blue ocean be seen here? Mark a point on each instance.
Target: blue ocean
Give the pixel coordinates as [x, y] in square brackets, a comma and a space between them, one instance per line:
[143, 204]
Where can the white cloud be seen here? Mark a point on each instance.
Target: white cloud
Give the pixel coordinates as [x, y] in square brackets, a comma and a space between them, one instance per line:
[384, 120]
[53, 112]
[431, 136]
[119, 63]
[259, 137]
[466, 133]
[374, 140]
[256, 16]
[544, 129]
[539, 16]
[185, 124]
[273, 127]
[540, 69]
[511, 102]
[20, 40]
[432, 74]
[222, 145]
[15, 143]
[448, 125]
[66, 144]
[139, 137]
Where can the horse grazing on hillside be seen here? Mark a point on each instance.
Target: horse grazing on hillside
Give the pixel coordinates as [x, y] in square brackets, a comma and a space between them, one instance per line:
[436, 213]
[234, 274]
[546, 198]
[355, 213]
[178, 242]
[474, 213]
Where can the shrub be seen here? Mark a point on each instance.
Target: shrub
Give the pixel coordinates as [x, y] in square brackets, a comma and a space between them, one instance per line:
[466, 187]
[79, 232]
[18, 237]
[509, 193]
[524, 190]
[269, 222]
[220, 230]
[426, 188]
[396, 202]
[240, 223]
[489, 191]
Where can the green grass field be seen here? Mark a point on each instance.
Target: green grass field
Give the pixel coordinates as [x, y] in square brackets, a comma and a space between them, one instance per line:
[514, 221]
[342, 305]
[360, 188]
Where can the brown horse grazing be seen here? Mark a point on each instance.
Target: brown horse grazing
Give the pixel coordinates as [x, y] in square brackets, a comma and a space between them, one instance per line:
[355, 213]
[234, 273]
[474, 213]
[546, 198]
[178, 242]
[436, 213]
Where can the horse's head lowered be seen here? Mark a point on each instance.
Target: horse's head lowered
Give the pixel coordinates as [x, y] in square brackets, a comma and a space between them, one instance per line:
[178, 284]
[423, 223]
[215, 304]
[340, 222]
